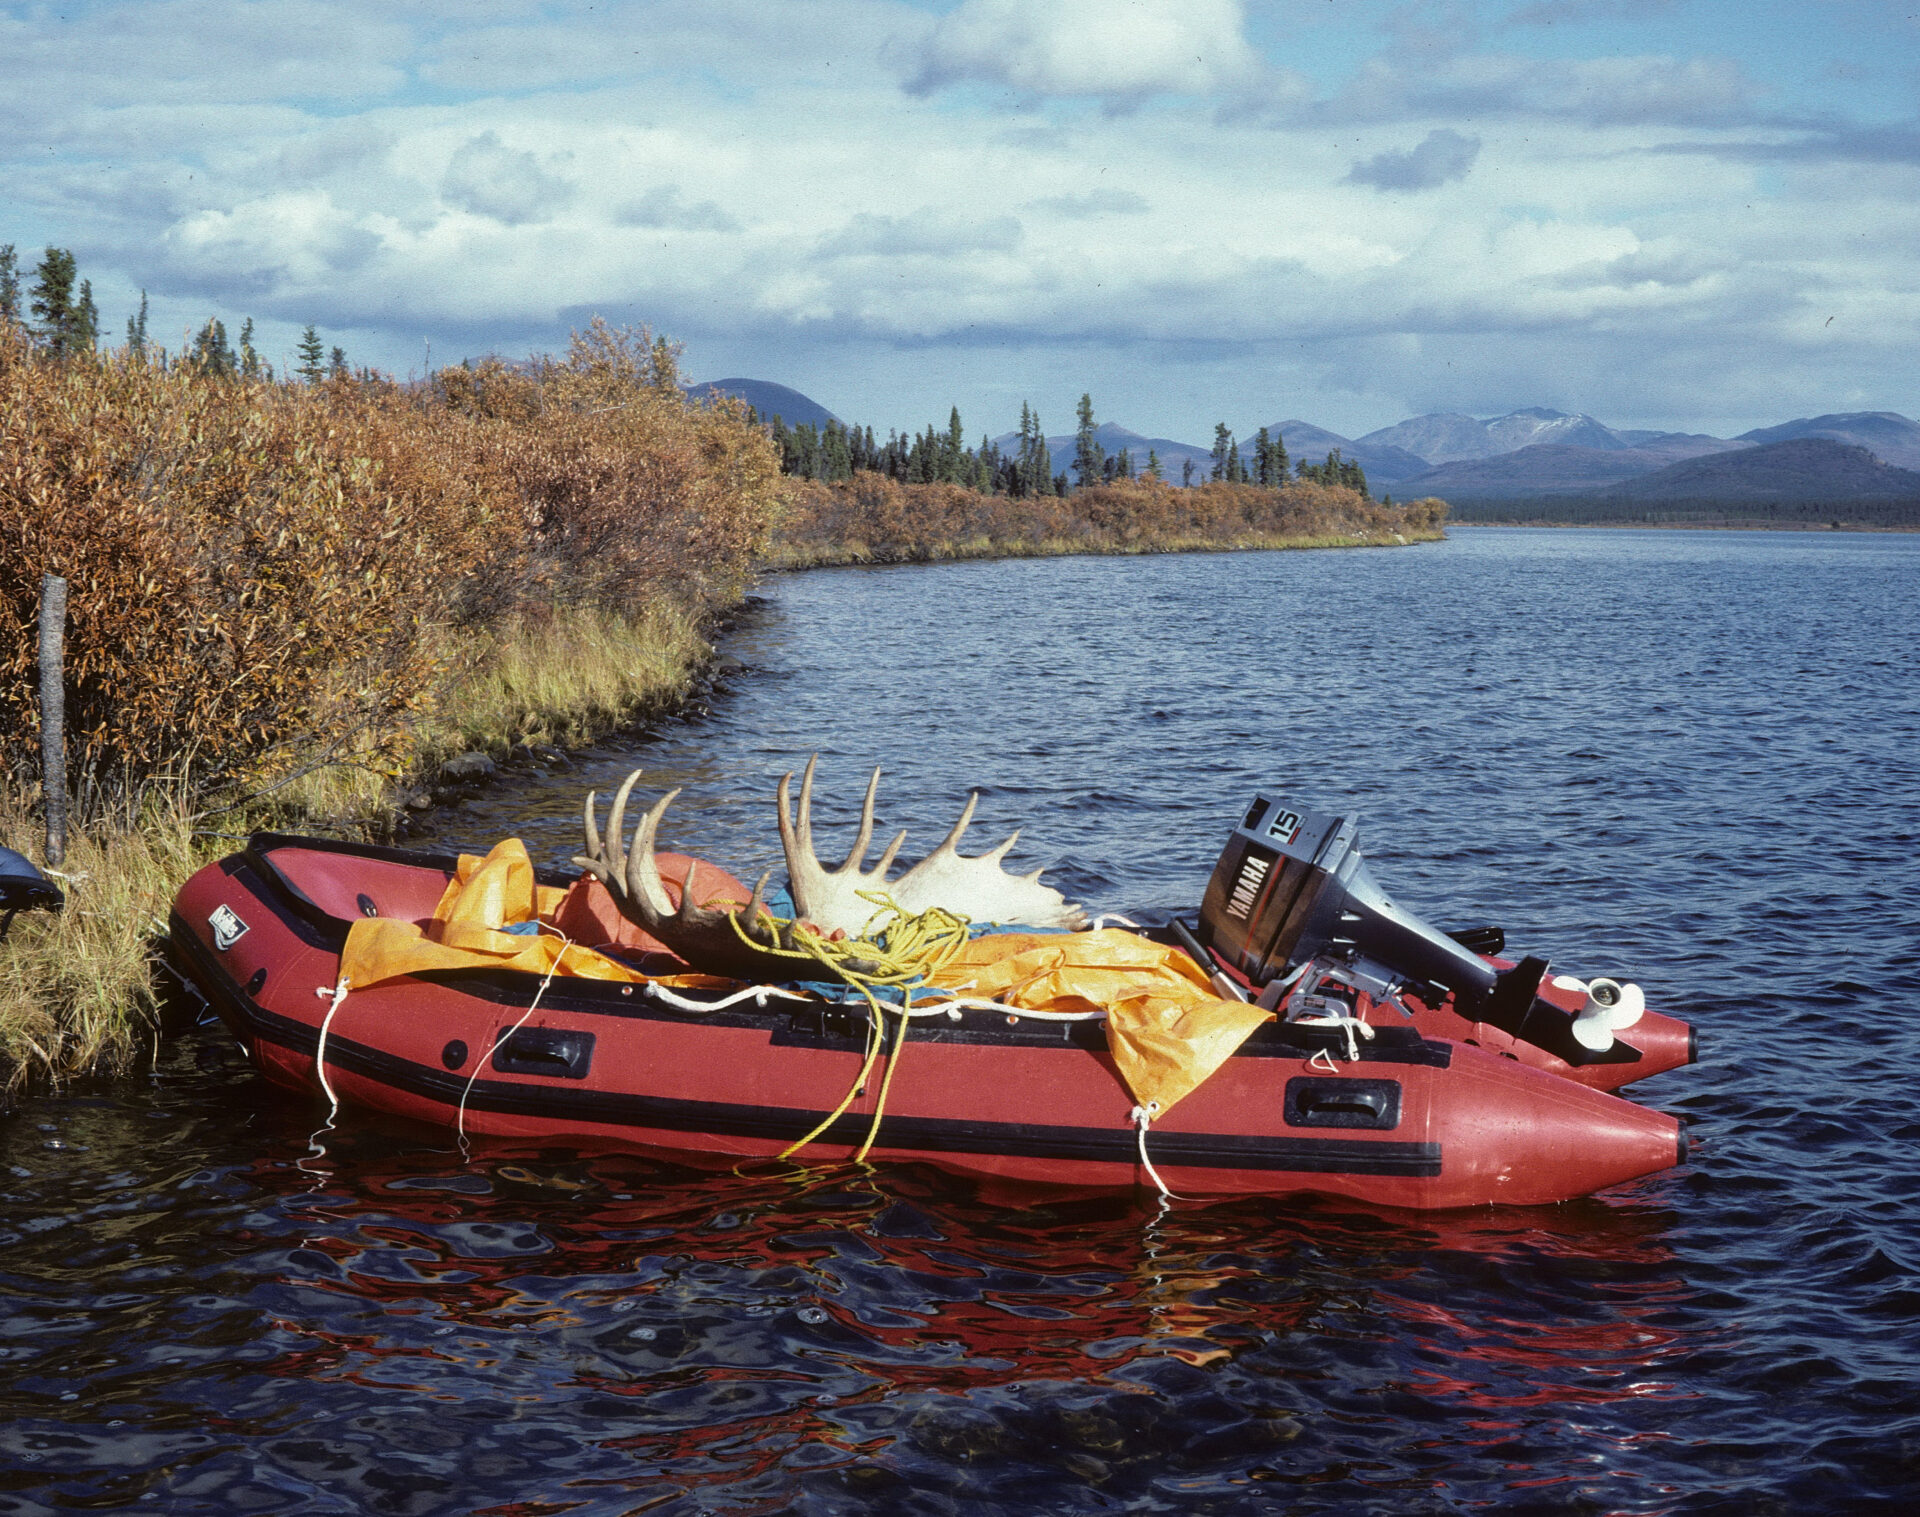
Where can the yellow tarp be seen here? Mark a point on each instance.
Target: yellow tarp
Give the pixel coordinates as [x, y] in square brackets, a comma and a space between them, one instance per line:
[1166, 1029]
[464, 933]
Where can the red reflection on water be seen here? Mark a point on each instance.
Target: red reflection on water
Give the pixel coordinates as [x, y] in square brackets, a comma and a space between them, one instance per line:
[919, 1285]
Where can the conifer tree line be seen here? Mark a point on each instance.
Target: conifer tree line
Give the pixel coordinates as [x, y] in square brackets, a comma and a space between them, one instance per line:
[837, 451]
[58, 311]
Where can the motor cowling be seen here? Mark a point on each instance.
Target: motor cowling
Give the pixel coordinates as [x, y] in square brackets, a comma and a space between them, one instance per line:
[1292, 885]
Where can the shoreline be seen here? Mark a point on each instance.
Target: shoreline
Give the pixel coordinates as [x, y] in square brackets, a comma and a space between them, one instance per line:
[861, 559]
[1825, 529]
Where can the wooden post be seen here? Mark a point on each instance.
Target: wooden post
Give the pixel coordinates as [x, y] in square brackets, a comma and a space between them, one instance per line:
[53, 714]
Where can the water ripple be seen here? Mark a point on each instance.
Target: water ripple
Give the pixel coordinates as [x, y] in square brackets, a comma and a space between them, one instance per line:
[1691, 759]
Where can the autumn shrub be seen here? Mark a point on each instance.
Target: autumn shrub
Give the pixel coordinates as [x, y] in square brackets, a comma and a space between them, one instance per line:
[264, 577]
[872, 518]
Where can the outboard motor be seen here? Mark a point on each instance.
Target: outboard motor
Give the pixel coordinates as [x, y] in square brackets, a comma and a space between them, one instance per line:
[24, 888]
[1292, 886]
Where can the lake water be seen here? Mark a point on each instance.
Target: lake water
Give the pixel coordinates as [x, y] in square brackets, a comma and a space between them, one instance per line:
[1688, 759]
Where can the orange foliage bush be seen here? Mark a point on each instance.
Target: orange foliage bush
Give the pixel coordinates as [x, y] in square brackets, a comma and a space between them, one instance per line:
[257, 571]
[874, 517]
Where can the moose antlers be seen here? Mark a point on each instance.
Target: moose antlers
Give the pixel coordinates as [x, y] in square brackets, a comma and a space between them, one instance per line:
[976, 888]
[831, 900]
[702, 936]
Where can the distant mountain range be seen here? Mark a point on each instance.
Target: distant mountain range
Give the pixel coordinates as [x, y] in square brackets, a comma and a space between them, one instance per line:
[1539, 456]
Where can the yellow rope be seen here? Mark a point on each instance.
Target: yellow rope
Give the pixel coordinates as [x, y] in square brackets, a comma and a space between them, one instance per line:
[892, 951]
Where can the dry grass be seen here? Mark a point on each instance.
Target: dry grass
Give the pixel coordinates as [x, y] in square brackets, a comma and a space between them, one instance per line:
[566, 677]
[76, 987]
[263, 574]
[289, 603]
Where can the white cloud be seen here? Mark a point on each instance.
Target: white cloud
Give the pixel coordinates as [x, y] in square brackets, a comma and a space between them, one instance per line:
[753, 180]
[942, 234]
[1601, 91]
[664, 208]
[1439, 158]
[491, 179]
[1116, 50]
[267, 244]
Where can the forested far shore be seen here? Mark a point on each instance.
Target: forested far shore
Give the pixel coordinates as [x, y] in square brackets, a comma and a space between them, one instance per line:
[834, 452]
[874, 519]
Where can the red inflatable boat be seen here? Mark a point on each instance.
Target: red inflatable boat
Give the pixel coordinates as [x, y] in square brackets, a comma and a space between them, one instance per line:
[1401, 1117]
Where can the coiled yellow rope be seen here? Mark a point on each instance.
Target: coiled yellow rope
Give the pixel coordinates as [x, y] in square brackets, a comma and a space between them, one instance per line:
[893, 951]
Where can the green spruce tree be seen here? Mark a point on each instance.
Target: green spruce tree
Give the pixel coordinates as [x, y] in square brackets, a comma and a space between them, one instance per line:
[312, 366]
[54, 302]
[212, 354]
[1089, 458]
[137, 330]
[9, 283]
[1223, 450]
[337, 363]
[86, 320]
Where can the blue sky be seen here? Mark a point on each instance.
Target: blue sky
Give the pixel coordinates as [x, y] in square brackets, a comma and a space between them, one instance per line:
[1692, 214]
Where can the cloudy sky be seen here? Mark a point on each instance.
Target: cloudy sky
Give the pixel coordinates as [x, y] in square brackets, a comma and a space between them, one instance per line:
[1695, 214]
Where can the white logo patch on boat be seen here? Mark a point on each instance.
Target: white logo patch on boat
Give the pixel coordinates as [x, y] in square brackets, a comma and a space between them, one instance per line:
[227, 927]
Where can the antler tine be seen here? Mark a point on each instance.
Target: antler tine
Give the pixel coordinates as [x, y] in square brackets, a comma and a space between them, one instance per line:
[887, 856]
[802, 866]
[687, 908]
[806, 806]
[593, 838]
[856, 855]
[616, 825]
[951, 844]
[642, 871]
[757, 904]
[997, 854]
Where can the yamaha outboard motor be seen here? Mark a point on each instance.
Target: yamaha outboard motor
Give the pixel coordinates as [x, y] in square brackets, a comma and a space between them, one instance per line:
[24, 888]
[1292, 885]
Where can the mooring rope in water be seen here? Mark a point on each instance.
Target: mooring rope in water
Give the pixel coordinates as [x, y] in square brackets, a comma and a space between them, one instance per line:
[339, 994]
[1141, 1117]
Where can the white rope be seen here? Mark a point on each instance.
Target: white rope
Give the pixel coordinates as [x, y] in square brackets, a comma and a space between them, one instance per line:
[952, 1006]
[315, 1148]
[339, 994]
[460, 1116]
[1140, 1116]
[1112, 916]
[758, 994]
[1350, 1025]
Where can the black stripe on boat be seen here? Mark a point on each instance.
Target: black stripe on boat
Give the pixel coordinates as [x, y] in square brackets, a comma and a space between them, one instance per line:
[1227, 1151]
